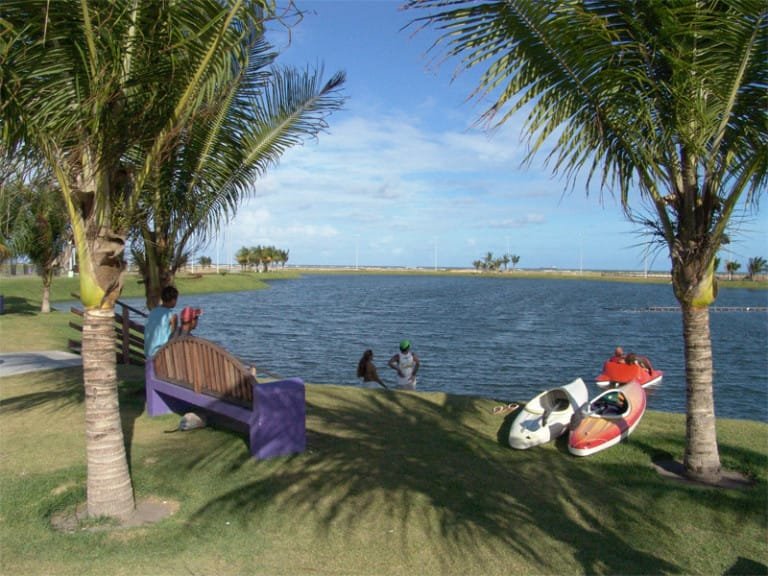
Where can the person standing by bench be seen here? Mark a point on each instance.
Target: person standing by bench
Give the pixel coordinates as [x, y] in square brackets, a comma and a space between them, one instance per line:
[161, 323]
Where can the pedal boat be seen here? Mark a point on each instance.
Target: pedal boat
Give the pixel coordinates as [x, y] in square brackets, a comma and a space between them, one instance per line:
[547, 415]
[605, 422]
[617, 373]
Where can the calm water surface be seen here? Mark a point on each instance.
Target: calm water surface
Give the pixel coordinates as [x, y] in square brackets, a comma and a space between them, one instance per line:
[492, 337]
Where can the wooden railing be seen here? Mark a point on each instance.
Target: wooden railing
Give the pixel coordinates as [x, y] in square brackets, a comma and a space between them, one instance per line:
[129, 335]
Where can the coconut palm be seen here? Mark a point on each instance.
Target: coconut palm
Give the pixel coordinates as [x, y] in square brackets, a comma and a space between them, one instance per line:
[215, 161]
[101, 90]
[663, 102]
[242, 256]
[42, 232]
[34, 222]
[756, 266]
[731, 267]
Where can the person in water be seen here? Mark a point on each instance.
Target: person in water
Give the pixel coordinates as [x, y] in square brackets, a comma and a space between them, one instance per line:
[366, 370]
[406, 363]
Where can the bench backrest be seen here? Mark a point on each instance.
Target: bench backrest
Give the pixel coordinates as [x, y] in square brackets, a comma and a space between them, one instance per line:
[204, 367]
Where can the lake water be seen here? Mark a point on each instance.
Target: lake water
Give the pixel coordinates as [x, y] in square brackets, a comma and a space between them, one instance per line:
[499, 338]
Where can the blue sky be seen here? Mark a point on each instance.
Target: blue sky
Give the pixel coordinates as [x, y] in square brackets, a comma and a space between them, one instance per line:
[405, 176]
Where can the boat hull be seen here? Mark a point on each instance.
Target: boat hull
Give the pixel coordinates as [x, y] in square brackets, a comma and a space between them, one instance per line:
[547, 415]
[597, 429]
[617, 373]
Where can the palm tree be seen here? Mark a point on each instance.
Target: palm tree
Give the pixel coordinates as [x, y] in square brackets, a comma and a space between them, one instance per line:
[756, 266]
[282, 257]
[514, 259]
[488, 262]
[731, 267]
[34, 222]
[101, 90]
[505, 261]
[663, 102]
[243, 256]
[215, 161]
[42, 233]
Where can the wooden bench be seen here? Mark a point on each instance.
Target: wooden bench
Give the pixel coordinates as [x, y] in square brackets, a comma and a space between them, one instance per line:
[193, 374]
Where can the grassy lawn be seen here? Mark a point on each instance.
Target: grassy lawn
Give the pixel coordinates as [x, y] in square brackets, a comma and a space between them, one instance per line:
[34, 331]
[391, 483]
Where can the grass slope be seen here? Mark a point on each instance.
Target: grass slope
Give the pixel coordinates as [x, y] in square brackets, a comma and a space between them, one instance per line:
[391, 483]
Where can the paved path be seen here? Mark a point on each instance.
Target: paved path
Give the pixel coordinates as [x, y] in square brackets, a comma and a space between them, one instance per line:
[13, 363]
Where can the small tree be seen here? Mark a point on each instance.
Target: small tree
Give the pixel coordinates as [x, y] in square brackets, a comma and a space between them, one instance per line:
[756, 266]
[731, 267]
[243, 257]
[34, 222]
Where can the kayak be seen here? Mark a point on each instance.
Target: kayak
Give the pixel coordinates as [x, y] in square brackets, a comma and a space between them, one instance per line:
[609, 418]
[547, 415]
[616, 373]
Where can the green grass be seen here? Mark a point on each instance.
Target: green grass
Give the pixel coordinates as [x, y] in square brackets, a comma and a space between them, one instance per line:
[24, 293]
[391, 483]
[34, 331]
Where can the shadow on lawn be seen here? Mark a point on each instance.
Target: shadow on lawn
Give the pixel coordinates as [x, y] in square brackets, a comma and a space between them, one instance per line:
[405, 462]
[64, 389]
[21, 306]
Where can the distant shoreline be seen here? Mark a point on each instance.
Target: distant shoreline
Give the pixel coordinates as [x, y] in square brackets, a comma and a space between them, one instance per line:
[654, 277]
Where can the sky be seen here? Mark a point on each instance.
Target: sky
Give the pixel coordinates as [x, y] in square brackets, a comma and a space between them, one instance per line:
[406, 176]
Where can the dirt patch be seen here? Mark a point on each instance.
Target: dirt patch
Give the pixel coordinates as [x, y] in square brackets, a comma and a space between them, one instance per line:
[729, 479]
[148, 511]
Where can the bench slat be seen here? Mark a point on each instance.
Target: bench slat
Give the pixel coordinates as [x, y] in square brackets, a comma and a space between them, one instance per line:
[194, 373]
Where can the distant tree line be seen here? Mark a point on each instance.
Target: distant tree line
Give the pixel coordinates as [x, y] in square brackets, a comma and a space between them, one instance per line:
[756, 266]
[261, 257]
[490, 263]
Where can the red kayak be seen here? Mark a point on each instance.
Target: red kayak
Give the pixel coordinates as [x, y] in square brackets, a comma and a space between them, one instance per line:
[617, 372]
[605, 421]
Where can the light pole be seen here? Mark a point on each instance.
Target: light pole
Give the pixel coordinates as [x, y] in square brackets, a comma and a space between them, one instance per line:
[435, 240]
[218, 252]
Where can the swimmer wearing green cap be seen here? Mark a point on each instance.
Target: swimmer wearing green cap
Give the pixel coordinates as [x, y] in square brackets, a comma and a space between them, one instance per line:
[406, 363]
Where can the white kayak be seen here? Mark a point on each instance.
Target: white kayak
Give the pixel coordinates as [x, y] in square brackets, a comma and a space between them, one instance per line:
[547, 415]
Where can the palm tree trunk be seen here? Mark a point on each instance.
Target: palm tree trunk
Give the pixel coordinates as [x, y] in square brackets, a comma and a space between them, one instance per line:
[45, 306]
[110, 492]
[702, 459]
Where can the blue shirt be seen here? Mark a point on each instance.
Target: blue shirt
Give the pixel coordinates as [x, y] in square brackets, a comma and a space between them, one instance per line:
[157, 330]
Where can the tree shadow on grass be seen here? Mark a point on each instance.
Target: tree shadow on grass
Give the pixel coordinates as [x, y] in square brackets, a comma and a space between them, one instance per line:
[54, 391]
[63, 388]
[746, 566]
[21, 306]
[430, 463]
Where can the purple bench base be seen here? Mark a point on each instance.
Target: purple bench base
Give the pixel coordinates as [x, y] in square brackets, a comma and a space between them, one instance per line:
[276, 423]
